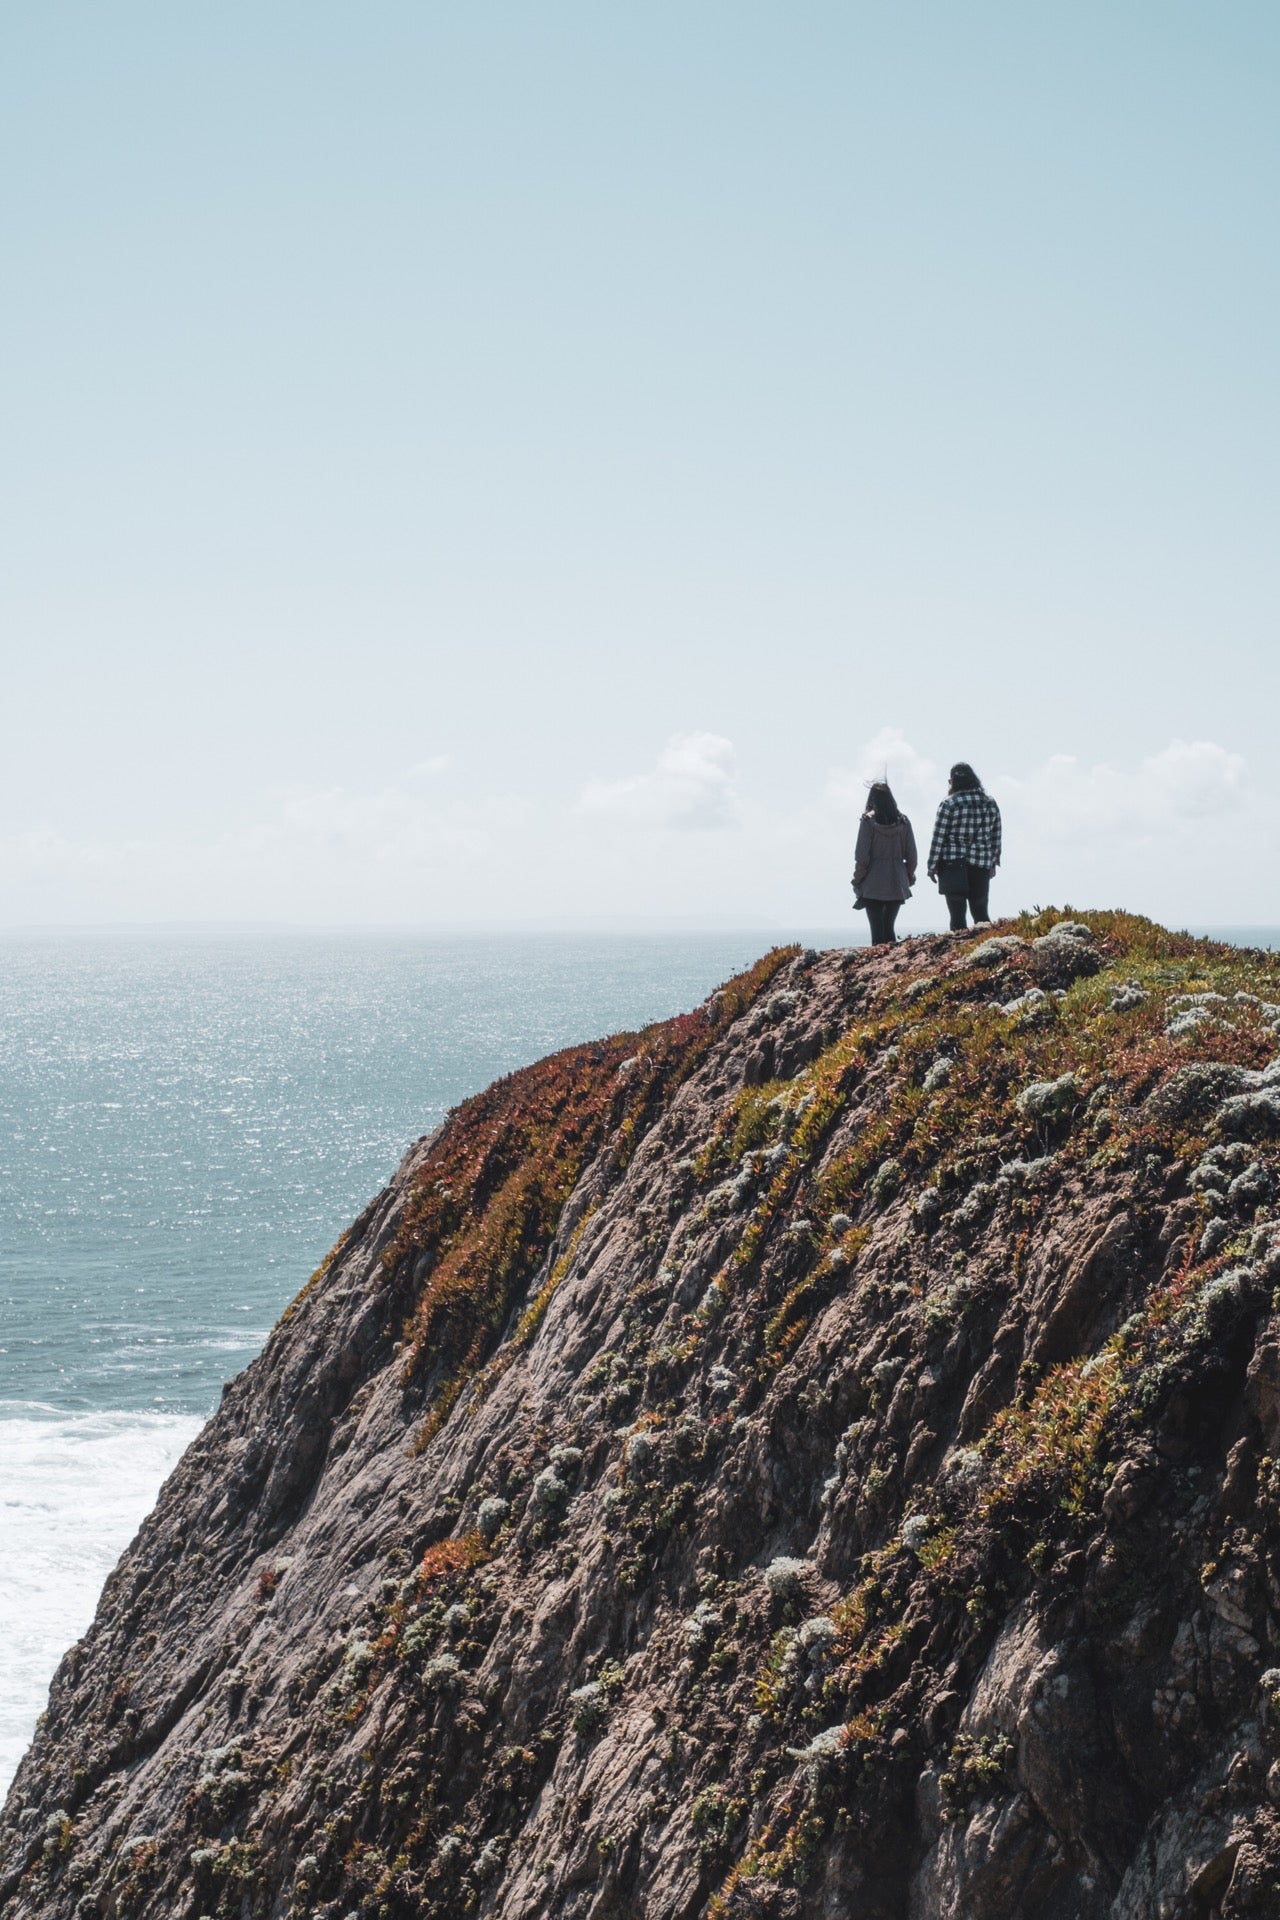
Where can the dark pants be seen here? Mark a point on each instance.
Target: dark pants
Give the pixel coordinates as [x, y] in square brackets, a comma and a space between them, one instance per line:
[882, 914]
[977, 883]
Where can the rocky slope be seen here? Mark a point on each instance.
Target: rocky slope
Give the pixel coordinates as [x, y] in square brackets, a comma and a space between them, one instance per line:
[817, 1456]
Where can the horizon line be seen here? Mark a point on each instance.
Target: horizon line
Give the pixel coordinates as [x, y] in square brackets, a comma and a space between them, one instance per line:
[618, 924]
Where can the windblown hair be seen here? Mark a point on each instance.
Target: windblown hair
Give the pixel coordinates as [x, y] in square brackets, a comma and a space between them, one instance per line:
[881, 804]
[964, 779]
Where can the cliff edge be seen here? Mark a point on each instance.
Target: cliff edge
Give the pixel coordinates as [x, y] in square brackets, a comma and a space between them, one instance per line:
[816, 1456]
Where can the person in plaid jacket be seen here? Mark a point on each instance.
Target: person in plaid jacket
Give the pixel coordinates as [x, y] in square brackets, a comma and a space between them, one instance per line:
[965, 850]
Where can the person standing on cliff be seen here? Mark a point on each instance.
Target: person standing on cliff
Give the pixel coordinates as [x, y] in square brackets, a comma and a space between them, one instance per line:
[965, 850]
[884, 863]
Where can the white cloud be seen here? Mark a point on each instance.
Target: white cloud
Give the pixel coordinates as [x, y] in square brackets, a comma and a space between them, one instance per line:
[915, 779]
[693, 787]
[1195, 779]
[1186, 782]
[1184, 834]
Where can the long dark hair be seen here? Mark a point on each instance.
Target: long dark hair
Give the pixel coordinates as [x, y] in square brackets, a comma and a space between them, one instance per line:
[881, 804]
[964, 779]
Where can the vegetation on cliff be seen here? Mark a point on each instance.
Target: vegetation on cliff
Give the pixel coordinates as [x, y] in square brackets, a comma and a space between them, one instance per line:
[817, 1455]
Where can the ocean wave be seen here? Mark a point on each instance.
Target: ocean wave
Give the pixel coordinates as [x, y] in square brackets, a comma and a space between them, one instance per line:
[74, 1489]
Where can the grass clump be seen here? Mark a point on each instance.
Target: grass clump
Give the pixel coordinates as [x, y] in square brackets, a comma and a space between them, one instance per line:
[977, 1765]
[589, 1704]
[715, 1816]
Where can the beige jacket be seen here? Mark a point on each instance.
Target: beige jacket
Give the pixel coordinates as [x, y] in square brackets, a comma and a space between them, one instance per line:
[884, 861]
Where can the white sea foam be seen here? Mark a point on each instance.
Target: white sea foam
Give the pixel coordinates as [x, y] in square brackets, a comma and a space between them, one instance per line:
[74, 1489]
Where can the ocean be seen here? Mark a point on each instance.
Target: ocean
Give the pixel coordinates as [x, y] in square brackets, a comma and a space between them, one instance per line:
[187, 1123]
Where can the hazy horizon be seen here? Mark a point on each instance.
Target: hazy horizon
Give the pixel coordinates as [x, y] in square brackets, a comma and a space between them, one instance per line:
[933, 920]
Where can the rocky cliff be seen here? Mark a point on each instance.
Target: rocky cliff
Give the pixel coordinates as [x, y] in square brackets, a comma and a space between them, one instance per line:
[820, 1455]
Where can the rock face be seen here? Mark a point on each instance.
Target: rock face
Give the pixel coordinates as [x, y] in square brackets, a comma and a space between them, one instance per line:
[814, 1457]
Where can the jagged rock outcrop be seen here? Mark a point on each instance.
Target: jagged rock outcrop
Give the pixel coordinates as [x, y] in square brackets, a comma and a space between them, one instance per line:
[814, 1457]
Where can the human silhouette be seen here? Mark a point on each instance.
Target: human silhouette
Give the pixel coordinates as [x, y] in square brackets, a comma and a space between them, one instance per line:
[965, 850]
[884, 863]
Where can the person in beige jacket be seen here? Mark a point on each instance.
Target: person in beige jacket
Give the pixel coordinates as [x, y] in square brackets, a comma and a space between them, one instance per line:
[884, 863]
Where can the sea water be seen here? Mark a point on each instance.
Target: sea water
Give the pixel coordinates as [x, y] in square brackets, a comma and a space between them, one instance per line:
[187, 1123]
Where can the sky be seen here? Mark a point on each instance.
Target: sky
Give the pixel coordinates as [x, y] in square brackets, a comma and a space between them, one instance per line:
[531, 465]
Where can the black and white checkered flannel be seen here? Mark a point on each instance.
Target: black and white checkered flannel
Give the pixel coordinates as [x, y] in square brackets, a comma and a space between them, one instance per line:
[967, 828]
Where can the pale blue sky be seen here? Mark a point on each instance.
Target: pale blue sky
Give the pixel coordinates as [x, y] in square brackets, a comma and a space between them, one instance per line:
[511, 461]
